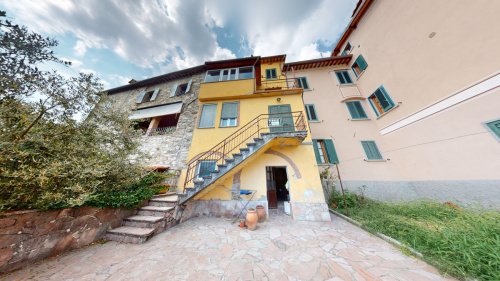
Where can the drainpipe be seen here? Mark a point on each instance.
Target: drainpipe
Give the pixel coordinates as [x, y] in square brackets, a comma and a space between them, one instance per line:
[342, 188]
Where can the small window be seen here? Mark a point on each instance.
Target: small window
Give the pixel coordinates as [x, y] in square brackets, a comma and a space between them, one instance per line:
[207, 117]
[494, 127]
[343, 77]
[229, 115]
[271, 73]
[147, 96]
[371, 150]
[213, 75]
[356, 110]
[245, 73]
[347, 49]
[205, 167]
[311, 112]
[380, 101]
[325, 153]
[302, 83]
[359, 66]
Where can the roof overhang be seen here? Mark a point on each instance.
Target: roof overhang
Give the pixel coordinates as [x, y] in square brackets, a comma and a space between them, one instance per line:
[316, 63]
[360, 10]
[155, 111]
[271, 59]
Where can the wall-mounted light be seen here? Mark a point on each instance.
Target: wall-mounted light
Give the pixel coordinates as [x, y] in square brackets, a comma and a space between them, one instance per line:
[278, 99]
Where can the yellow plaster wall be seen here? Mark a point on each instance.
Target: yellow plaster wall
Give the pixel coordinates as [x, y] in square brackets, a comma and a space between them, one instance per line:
[225, 89]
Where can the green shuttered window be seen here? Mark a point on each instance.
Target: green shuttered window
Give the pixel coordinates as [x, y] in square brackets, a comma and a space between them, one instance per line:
[359, 65]
[207, 117]
[302, 81]
[205, 167]
[229, 115]
[356, 110]
[371, 150]
[380, 101]
[325, 152]
[343, 77]
[494, 127]
[311, 112]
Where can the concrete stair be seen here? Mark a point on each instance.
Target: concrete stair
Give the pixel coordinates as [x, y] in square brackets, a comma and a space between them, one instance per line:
[153, 218]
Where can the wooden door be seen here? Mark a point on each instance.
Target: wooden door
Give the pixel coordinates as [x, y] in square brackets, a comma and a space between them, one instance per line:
[272, 197]
[280, 118]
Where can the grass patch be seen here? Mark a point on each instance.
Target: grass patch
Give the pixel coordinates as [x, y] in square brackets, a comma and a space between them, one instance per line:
[461, 242]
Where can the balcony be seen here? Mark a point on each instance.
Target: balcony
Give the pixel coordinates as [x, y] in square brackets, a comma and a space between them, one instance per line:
[350, 92]
[279, 84]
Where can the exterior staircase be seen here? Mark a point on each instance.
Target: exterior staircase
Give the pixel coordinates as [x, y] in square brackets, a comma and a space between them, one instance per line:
[251, 140]
[153, 218]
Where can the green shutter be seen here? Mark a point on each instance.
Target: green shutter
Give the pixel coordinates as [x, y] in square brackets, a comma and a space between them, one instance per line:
[316, 153]
[371, 150]
[356, 110]
[330, 150]
[494, 127]
[360, 61]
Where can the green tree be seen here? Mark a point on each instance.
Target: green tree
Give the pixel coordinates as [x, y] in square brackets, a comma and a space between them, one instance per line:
[61, 144]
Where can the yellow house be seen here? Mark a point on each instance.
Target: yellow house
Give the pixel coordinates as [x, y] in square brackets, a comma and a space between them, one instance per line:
[251, 144]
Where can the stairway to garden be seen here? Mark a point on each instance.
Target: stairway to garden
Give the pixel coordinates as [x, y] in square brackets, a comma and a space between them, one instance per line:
[153, 218]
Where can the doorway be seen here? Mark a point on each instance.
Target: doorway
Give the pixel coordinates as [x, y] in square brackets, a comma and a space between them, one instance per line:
[280, 118]
[277, 191]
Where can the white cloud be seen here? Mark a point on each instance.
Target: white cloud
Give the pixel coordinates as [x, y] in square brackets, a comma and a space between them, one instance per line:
[151, 33]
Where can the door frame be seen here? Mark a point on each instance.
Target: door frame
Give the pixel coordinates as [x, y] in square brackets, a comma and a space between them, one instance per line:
[271, 168]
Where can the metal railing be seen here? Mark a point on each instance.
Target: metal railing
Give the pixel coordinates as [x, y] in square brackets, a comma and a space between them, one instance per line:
[160, 131]
[278, 84]
[264, 123]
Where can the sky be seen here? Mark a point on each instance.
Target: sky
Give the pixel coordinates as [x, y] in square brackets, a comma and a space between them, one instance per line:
[123, 39]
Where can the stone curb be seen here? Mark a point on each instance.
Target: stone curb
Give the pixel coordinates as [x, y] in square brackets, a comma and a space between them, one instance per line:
[378, 234]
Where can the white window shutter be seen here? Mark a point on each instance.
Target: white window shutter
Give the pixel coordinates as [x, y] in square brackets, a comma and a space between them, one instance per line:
[155, 94]
[140, 97]
[173, 91]
[189, 86]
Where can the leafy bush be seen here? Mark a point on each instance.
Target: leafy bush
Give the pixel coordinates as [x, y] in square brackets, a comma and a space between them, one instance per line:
[336, 200]
[129, 196]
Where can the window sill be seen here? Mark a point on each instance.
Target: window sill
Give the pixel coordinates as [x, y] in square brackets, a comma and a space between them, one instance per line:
[325, 165]
[314, 121]
[383, 114]
[228, 126]
[206, 127]
[359, 119]
[375, 160]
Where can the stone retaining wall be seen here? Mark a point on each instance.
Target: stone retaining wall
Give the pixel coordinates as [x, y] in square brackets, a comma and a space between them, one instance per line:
[31, 235]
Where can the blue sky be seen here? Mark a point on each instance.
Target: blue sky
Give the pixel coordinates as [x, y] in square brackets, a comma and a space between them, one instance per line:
[123, 39]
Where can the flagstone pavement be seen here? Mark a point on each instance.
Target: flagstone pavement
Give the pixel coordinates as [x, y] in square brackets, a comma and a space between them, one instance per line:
[214, 249]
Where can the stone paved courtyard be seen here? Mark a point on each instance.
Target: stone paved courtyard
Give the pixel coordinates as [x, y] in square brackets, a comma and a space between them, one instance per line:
[215, 249]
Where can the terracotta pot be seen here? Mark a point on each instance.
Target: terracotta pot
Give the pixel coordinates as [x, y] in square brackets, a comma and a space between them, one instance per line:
[261, 213]
[252, 219]
[242, 223]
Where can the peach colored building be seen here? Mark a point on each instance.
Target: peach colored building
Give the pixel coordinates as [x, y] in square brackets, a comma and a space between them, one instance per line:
[415, 110]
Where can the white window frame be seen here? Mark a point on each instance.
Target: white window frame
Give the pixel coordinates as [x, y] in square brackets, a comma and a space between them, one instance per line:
[201, 115]
[229, 122]
[221, 71]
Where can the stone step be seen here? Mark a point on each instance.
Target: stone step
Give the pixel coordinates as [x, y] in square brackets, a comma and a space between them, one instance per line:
[154, 211]
[244, 149]
[158, 223]
[258, 139]
[165, 201]
[130, 234]
[221, 166]
[229, 160]
[235, 155]
[251, 144]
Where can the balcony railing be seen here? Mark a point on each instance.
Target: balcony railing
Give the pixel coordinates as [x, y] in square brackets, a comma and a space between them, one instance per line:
[278, 84]
[159, 131]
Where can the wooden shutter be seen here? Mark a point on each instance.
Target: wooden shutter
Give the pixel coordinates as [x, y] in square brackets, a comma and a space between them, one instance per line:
[155, 94]
[173, 91]
[494, 127]
[316, 153]
[330, 150]
[140, 97]
[360, 61]
[189, 86]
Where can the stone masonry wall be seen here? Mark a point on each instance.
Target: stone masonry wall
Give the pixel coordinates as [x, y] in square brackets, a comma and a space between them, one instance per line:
[28, 236]
[170, 149]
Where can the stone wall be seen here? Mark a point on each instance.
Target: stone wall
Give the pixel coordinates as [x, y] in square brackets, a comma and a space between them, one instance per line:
[28, 236]
[170, 149]
[219, 208]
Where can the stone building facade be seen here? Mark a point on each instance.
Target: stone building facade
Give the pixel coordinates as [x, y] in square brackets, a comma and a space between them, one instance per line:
[163, 145]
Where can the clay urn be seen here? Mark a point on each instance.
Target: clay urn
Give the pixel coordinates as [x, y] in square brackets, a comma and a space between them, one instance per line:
[252, 218]
[261, 213]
